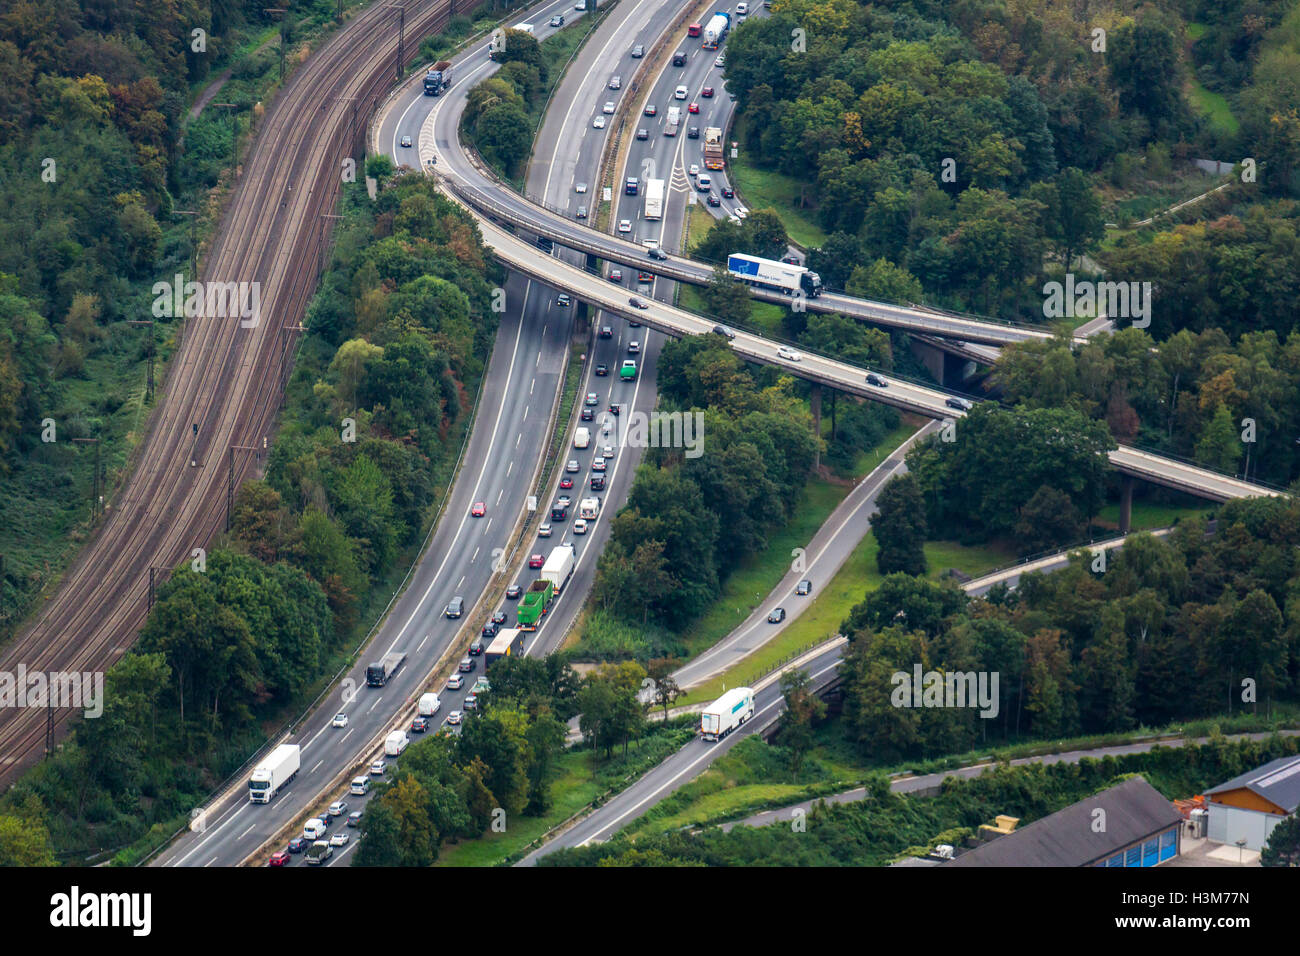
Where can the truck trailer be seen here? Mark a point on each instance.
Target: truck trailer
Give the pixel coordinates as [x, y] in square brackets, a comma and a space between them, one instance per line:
[377, 675]
[509, 643]
[770, 274]
[715, 31]
[280, 766]
[559, 566]
[713, 147]
[533, 604]
[727, 713]
[438, 78]
[654, 198]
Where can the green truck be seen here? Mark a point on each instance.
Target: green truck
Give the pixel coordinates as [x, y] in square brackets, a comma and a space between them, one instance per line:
[533, 604]
[628, 372]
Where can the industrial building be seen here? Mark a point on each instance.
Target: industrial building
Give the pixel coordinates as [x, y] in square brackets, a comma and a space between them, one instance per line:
[1129, 824]
[1245, 809]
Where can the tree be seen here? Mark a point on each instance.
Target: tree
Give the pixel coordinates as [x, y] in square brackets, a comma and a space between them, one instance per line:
[885, 281]
[1079, 224]
[1047, 520]
[803, 709]
[899, 527]
[726, 299]
[1219, 446]
[666, 691]
[381, 843]
[1283, 846]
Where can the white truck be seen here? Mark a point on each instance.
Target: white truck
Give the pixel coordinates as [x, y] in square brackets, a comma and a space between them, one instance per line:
[673, 121]
[727, 713]
[428, 705]
[581, 438]
[654, 198]
[280, 766]
[770, 274]
[523, 28]
[588, 508]
[715, 31]
[395, 743]
[559, 566]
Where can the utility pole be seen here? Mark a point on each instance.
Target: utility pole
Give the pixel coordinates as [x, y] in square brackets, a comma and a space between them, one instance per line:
[284, 348]
[281, 11]
[194, 239]
[323, 243]
[148, 395]
[234, 134]
[152, 570]
[230, 480]
[401, 36]
[96, 499]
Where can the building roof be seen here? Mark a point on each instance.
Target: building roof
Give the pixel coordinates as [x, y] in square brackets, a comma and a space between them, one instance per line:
[1134, 810]
[1278, 782]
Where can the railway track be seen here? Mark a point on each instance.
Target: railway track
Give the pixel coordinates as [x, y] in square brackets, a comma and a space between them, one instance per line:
[225, 379]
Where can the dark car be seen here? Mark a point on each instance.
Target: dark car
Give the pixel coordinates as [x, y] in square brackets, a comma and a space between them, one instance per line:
[693, 133]
[279, 858]
[613, 409]
[499, 617]
[777, 616]
[419, 725]
[876, 380]
[557, 21]
[581, 213]
[804, 587]
[656, 253]
[606, 332]
[514, 591]
[587, 415]
[679, 59]
[958, 403]
[638, 51]
[643, 133]
[476, 645]
[298, 844]
[725, 332]
[728, 192]
[637, 303]
[467, 664]
[602, 369]
[713, 200]
[597, 482]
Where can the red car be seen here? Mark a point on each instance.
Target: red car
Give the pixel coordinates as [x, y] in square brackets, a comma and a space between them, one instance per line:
[707, 91]
[279, 858]
[536, 561]
[650, 109]
[479, 509]
[693, 108]
[566, 482]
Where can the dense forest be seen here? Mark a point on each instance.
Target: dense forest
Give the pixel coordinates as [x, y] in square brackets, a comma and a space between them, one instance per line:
[107, 182]
[399, 336]
[1189, 625]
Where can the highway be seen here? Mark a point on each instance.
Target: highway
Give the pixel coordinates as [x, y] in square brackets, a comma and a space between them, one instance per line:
[694, 758]
[504, 454]
[223, 386]
[500, 465]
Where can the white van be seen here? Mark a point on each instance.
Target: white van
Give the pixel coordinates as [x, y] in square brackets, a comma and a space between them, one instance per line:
[581, 438]
[395, 743]
[428, 705]
[313, 829]
[360, 786]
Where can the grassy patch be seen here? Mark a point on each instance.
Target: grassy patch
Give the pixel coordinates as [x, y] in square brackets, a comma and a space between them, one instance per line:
[1214, 107]
[1147, 516]
[763, 189]
[832, 603]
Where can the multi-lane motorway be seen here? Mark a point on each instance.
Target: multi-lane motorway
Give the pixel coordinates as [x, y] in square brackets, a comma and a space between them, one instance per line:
[510, 433]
